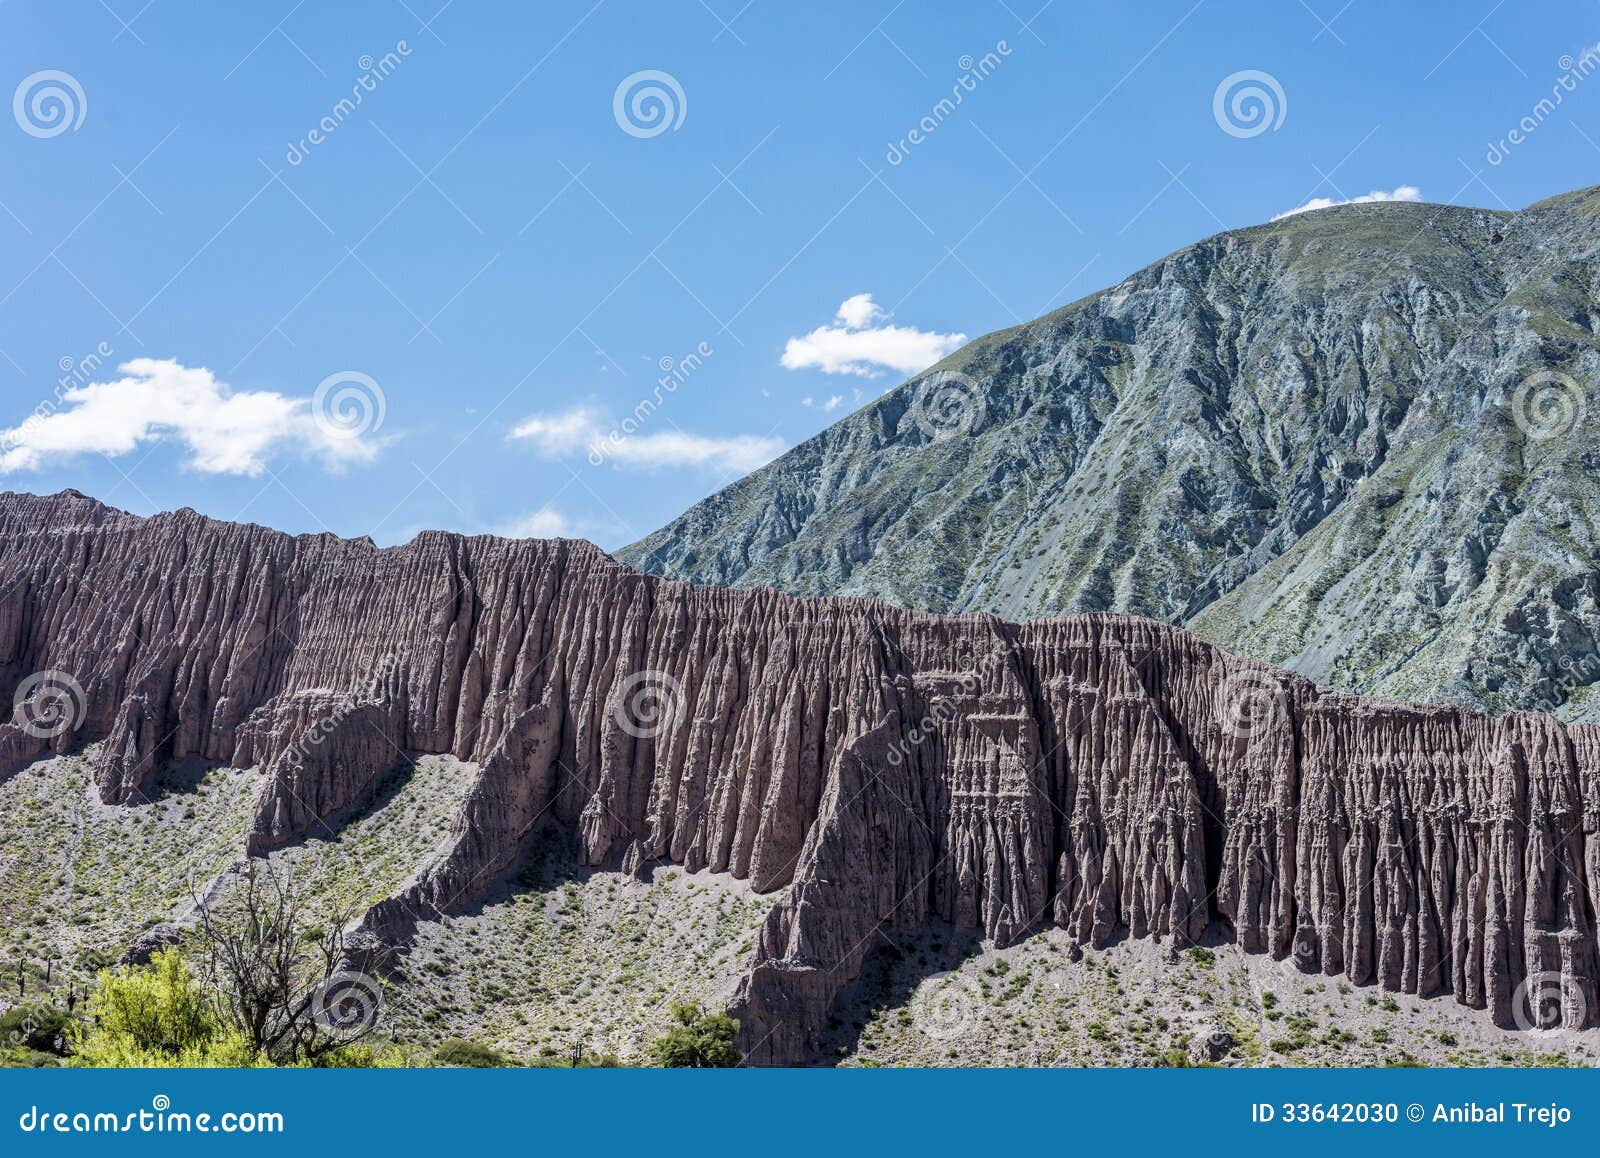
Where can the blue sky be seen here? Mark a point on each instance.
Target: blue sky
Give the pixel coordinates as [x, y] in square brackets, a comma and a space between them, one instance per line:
[504, 254]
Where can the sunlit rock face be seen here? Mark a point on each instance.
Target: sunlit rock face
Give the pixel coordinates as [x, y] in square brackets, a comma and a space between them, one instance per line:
[1111, 775]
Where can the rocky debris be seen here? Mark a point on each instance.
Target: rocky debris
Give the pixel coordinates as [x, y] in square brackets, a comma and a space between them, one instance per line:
[150, 942]
[1110, 775]
[1356, 442]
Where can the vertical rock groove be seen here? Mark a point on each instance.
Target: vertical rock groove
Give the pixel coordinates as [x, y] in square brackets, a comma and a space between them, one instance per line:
[1107, 774]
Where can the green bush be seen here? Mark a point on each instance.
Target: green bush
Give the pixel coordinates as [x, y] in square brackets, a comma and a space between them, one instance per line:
[698, 1040]
[37, 1026]
[158, 1016]
[470, 1055]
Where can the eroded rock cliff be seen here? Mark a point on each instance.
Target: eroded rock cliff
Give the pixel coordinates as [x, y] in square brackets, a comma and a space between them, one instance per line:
[1109, 774]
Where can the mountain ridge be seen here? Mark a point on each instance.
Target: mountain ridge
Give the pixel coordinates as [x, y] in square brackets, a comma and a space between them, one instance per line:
[873, 769]
[1260, 397]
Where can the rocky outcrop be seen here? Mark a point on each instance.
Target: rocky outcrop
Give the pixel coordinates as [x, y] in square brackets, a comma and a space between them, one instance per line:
[1357, 442]
[1108, 774]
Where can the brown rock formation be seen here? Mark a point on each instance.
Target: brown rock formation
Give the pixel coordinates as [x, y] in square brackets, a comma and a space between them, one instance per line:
[1105, 773]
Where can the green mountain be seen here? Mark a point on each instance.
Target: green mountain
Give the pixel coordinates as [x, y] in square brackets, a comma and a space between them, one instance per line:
[1359, 442]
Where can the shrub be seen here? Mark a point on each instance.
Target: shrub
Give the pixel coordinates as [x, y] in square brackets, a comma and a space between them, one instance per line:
[698, 1040]
[469, 1055]
[155, 1016]
[37, 1026]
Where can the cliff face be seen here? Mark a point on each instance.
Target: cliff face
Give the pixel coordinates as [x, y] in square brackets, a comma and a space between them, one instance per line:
[1108, 774]
[1357, 442]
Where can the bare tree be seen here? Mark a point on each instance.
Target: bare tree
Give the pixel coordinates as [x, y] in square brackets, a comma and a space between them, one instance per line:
[280, 979]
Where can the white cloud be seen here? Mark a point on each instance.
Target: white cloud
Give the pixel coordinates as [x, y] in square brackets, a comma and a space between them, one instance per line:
[858, 311]
[560, 434]
[582, 429]
[544, 523]
[854, 344]
[225, 431]
[550, 523]
[832, 403]
[1400, 193]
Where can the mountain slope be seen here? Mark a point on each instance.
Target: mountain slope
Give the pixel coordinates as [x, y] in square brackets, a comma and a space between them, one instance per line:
[1311, 439]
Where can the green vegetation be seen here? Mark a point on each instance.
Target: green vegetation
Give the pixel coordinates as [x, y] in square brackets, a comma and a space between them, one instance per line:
[469, 1055]
[33, 1034]
[698, 1040]
[156, 1017]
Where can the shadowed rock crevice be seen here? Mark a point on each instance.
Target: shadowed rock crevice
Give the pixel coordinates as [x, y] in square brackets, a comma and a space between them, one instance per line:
[1110, 775]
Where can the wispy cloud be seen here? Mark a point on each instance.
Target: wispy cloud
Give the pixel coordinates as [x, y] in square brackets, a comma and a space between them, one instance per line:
[549, 522]
[225, 431]
[827, 405]
[857, 344]
[1400, 193]
[584, 430]
[545, 523]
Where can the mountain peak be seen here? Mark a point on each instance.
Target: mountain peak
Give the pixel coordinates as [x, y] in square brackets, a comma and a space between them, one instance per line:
[1310, 438]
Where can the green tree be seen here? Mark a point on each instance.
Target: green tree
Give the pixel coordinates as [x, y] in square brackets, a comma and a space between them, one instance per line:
[157, 1016]
[698, 1040]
